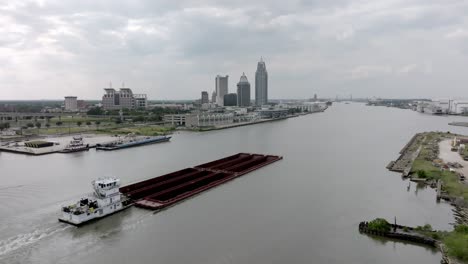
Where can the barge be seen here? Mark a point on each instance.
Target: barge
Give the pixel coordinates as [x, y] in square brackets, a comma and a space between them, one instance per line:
[163, 191]
[132, 142]
[166, 190]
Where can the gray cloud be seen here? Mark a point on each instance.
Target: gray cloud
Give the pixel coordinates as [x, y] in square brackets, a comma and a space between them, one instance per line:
[173, 49]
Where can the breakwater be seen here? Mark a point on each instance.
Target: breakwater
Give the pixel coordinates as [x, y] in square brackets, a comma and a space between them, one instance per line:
[400, 232]
[407, 156]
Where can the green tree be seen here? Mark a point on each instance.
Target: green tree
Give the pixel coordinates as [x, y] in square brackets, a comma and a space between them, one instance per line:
[95, 111]
[422, 174]
[379, 224]
[38, 125]
[97, 124]
[79, 123]
[29, 125]
[47, 125]
[88, 123]
[58, 123]
[139, 119]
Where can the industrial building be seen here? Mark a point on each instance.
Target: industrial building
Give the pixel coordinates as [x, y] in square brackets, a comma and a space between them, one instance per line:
[443, 106]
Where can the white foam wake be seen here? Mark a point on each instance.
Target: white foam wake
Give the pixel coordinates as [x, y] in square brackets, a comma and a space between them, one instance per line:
[22, 240]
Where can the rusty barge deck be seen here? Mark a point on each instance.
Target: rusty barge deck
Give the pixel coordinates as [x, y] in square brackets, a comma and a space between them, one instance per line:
[168, 189]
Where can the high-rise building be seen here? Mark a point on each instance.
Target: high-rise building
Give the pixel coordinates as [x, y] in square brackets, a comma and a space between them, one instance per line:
[213, 97]
[204, 97]
[71, 103]
[243, 91]
[125, 98]
[230, 99]
[261, 84]
[221, 85]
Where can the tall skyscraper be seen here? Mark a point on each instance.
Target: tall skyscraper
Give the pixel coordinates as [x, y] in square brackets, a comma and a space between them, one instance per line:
[243, 91]
[221, 85]
[204, 97]
[261, 84]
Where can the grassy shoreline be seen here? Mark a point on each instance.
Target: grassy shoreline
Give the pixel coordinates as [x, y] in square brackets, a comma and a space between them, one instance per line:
[425, 166]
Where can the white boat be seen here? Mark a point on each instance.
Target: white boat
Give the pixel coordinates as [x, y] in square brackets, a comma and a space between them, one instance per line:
[75, 145]
[105, 200]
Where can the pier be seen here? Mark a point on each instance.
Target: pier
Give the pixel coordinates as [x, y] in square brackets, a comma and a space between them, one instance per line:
[407, 156]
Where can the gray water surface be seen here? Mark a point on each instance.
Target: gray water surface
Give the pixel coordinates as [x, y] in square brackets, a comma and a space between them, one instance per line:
[303, 209]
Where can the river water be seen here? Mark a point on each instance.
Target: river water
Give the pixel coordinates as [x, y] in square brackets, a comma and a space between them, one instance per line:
[303, 209]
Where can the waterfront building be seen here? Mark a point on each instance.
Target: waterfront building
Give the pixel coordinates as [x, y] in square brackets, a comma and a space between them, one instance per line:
[202, 119]
[261, 84]
[221, 86]
[459, 107]
[243, 91]
[230, 99]
[175, 119]
[124, 98]
[273, 113]
[71, 103]
[204, 97]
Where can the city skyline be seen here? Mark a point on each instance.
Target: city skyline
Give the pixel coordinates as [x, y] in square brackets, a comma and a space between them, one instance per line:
[51, 49]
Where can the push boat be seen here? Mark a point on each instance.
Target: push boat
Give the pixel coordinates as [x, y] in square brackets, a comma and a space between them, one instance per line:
[105, 201]
[132, 141]
[75, 145]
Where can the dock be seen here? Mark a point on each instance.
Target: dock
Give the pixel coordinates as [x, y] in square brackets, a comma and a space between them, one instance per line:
[166, 190]
[407, 156]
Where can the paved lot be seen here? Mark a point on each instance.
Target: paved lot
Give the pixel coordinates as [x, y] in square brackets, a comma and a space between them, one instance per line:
[451, 156]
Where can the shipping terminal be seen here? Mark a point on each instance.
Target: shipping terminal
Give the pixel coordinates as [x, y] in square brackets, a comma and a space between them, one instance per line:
[162, 191]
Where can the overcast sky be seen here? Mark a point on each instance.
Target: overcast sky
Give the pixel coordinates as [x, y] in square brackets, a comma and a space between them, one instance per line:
[174, 49]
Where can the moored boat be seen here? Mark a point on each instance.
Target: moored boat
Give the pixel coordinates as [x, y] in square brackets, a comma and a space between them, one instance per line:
[132, 141]
[75, 145]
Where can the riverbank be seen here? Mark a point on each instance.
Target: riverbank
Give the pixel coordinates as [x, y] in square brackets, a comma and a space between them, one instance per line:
[429, 158]
[233, 125]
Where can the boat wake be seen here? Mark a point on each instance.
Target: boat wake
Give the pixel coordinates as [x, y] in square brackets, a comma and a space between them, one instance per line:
[10, 187]
[19, 241]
